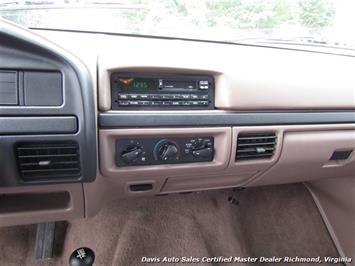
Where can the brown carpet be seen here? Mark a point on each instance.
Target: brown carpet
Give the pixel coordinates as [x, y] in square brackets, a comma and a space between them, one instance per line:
[269, 221]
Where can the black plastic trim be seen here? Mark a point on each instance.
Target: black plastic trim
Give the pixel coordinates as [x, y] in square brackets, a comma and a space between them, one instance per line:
[113, 119]
[38, 125]
[24, 51]
[141, 187]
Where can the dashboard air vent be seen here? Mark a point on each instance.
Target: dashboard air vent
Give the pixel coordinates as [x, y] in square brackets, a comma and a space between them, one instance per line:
[48, 161]
[253, 146]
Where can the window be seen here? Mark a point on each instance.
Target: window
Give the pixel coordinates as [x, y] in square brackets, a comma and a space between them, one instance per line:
[311, 22]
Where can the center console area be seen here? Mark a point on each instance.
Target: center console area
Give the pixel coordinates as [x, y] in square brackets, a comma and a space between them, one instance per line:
[167, 128]
[164, 150]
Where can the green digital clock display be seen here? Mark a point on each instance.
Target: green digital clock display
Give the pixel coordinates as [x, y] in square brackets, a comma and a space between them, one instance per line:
[140, 85]
[136, 83]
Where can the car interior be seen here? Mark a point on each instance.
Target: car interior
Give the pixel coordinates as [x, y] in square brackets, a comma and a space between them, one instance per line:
[123, 149]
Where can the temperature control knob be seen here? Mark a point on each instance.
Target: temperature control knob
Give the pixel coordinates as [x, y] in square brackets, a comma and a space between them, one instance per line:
[168, 151]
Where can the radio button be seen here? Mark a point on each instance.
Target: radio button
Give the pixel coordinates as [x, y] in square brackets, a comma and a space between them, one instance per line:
[123, 103]
[176, 103]
[202, 102]
[133, 103]
[203, 84]
[177, 96]
[123, 96]
[143, 102]
[143, 96]
[167, 96]
[203, 97]
[155, 96]
[156, 103]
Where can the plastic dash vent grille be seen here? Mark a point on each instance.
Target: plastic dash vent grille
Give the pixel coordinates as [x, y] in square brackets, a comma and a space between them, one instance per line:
[48, 161]
[253, 146]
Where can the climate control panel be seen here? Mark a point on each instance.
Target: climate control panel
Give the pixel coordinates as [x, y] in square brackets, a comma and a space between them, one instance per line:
[164, 150]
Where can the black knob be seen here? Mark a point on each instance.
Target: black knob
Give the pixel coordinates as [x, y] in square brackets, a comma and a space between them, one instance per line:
[203, 153]
[131, 154]
[168, 151]
[82, 257]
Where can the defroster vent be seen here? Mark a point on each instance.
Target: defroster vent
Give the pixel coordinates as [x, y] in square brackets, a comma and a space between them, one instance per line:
[253, 146]
[49, 161]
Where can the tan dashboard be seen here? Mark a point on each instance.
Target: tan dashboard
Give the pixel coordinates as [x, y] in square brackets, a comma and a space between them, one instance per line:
[300, 153]
[274, 116]
[246, 77]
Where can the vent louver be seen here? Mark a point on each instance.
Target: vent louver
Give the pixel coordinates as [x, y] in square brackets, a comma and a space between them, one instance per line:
[48, 161]
[253, 146]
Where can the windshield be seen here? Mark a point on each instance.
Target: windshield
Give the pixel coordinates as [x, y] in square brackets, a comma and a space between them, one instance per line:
[325, 22]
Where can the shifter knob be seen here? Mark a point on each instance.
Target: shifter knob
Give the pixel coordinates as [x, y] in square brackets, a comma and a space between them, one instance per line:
[82, 257]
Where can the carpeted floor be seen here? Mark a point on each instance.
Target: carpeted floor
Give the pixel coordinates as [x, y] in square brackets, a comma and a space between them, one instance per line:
[269, 221]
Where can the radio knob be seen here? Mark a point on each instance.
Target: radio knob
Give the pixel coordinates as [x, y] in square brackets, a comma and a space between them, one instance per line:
[168, 151]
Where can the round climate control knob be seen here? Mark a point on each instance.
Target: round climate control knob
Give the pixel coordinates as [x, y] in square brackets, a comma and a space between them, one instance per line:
[167, 150]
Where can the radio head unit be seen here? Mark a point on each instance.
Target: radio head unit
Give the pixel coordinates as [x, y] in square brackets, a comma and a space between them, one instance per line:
[131, 91]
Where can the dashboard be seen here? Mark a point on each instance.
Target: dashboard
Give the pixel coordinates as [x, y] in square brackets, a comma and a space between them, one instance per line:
[90, 118]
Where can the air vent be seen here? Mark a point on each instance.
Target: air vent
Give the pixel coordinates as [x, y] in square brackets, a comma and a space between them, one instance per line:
[48, 161]
[253, 146]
